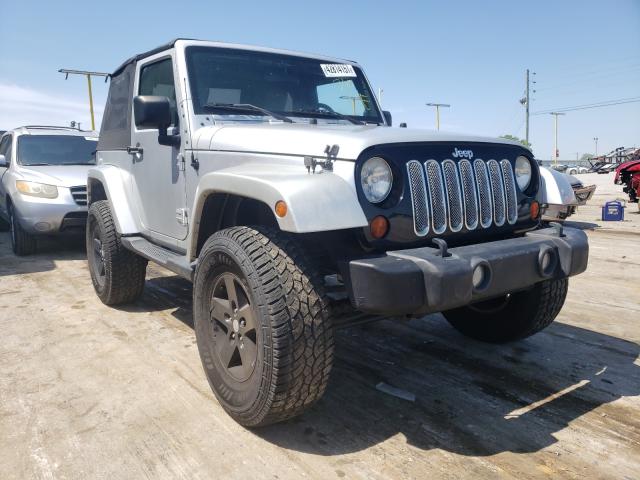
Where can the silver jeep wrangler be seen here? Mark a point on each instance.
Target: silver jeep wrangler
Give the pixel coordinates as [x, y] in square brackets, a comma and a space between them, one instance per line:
[274, 181]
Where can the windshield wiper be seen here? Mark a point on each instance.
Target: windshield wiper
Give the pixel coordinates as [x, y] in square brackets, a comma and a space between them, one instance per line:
[334, 115]
[247, 107]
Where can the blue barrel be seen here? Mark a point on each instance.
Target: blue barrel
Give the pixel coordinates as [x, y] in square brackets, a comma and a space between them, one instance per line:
[613, 212]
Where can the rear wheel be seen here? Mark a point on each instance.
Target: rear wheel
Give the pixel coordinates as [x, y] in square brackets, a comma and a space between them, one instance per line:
[22, 243]
[512, 317]
[262, 324]
[117, 273]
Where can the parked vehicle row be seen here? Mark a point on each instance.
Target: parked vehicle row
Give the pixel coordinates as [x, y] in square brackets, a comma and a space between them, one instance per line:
[272, 180]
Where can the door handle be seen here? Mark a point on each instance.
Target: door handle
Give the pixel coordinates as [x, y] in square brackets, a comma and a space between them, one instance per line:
[136, 152]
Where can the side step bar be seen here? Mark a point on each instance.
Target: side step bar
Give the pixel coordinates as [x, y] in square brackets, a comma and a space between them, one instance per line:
[163, 256]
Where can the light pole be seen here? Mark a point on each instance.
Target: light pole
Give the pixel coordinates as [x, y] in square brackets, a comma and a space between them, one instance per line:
[88, 75]
[438, 105]
[353, 99]
[555, 149]
[595, 139]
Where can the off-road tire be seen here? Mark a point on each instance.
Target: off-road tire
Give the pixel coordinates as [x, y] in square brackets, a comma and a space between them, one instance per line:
[294, 341]
[22, 243]
[514, 317]
[124, 271]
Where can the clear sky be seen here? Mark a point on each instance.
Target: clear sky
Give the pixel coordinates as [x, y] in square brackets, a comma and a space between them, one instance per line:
[470, 54]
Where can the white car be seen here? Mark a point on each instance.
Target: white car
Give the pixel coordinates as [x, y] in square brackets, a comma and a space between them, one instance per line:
[43, 187]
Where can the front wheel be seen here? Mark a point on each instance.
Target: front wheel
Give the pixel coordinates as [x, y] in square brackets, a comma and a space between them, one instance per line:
[511, 317]
[22, 243]
[262, 325]
[117, 273]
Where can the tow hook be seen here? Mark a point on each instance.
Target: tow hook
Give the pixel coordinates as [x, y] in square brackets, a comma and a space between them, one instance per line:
[442, 246]
[558, 228]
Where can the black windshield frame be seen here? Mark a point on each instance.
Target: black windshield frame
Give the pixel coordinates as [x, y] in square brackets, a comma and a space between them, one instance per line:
[275, 74]
[57, 150]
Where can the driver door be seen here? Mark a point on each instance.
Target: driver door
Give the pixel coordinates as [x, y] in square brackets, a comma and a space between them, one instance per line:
[158, 171]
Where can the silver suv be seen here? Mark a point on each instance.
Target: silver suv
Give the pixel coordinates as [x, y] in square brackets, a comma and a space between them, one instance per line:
[274, 181]
[43, 186]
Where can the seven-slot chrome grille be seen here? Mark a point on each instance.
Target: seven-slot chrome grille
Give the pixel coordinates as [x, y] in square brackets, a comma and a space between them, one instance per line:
[449, 196]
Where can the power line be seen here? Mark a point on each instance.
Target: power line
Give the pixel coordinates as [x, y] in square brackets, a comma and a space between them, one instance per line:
[606, 78]
[606, 103]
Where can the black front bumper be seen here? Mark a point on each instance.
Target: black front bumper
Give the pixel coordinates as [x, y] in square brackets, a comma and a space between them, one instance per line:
[421, 280]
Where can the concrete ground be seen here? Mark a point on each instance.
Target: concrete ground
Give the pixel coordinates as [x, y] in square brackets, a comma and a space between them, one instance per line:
[88, 391]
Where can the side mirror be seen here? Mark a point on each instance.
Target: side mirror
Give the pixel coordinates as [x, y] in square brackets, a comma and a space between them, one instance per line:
[3, 162]
[151, 111]
[387, 117]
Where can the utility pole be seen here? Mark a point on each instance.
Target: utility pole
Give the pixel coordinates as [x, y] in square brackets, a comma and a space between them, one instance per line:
[438, 105]
[555, 149]
[526, 101]
[595, 139]
[88, 75]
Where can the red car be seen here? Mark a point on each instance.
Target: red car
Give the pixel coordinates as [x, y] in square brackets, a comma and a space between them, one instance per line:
[628, 174]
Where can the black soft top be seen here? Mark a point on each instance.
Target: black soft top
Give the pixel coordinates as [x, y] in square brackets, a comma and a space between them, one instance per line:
[146, 54]
[115, 131]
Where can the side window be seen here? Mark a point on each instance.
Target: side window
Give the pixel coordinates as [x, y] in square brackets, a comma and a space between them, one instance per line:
[5, 148]
[157, 79]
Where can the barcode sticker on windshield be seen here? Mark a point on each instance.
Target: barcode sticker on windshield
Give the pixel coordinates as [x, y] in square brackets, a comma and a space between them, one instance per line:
[337, 70]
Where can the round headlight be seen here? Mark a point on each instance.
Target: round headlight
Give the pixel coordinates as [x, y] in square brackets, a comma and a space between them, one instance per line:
[376, 179]
[523, 172]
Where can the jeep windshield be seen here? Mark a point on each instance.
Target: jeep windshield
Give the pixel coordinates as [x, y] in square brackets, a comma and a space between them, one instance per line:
[35, 150]
[288, 85]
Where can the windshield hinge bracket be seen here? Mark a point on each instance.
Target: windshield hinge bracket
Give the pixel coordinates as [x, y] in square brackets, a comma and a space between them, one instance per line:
[327, 165]
[180, 162]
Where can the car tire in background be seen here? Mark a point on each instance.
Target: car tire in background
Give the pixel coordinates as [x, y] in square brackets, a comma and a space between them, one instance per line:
[22, 243]
[117, 273]
[512, 317]
[263, 324]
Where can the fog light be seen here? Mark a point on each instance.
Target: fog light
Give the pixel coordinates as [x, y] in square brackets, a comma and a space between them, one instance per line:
[379, 227]
[42, 226]
[481, 276]
[547, 261]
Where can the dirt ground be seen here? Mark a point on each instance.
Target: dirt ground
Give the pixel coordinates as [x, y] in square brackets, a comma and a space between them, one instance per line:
[88, 391]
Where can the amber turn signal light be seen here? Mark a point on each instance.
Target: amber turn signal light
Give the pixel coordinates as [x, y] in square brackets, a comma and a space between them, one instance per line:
[379, 226]
[281, 208]
[534, 210]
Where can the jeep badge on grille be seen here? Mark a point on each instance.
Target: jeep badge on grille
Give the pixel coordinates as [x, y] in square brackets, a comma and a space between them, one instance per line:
[462, 153]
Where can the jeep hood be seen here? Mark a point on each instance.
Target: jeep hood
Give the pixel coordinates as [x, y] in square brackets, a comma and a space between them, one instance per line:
[58, 175]
[303, 139]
